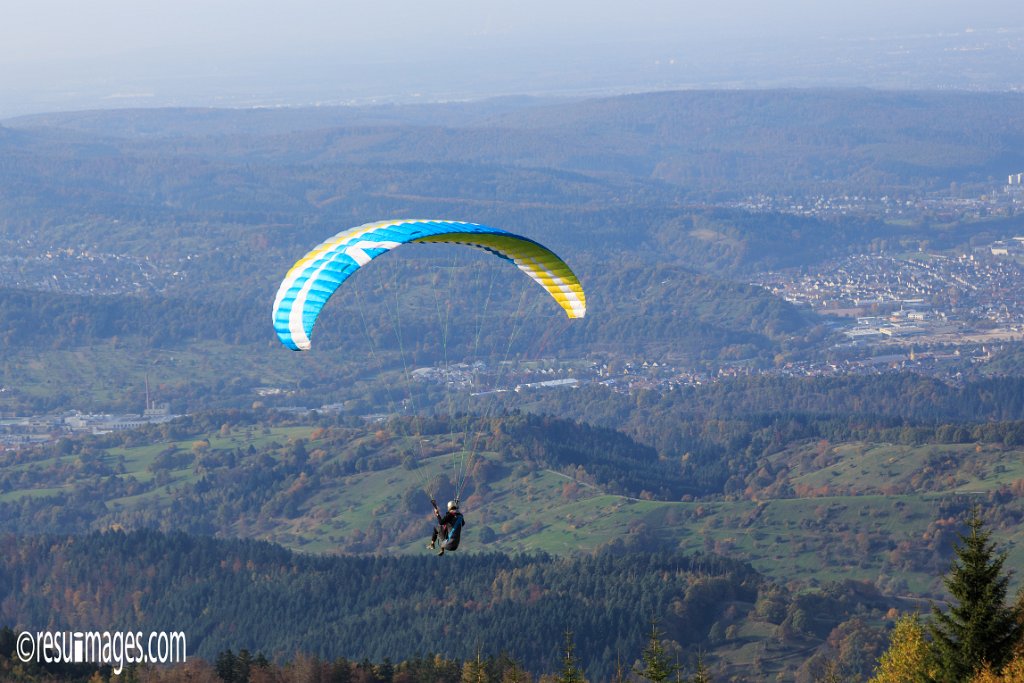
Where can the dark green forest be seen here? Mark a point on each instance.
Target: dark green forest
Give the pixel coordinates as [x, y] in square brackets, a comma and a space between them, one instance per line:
[220, 592]
[633, 315]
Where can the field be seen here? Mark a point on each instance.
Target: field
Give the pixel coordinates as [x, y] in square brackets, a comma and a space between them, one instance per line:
[112, 376]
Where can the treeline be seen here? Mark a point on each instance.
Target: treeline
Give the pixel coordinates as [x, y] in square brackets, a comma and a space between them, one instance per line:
[241, 594]
[496, 623]
[600, 456]
[715, 435]
[233, 599]
[898, 397]
[64, 321]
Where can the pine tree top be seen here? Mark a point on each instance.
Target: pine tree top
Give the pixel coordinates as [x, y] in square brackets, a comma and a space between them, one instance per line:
[658, 667]
[571, 671]
[979, 627]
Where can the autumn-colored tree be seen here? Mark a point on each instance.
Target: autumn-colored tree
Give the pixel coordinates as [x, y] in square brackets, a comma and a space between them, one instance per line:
[829, 672]
[1013, 672]
[907, 659]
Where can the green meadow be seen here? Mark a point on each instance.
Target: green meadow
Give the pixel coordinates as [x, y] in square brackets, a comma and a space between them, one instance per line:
[859, 511]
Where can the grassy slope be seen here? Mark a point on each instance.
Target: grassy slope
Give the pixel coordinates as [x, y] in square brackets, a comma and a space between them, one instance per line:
[856, 507]
[103, 377]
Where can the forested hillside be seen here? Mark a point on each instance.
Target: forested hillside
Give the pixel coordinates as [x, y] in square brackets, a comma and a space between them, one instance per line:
[759, 486]
[889, 400]
[255, 596]
[479, 312]
[638, 307]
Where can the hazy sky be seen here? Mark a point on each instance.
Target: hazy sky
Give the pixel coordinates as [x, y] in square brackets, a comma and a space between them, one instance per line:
[51, 49]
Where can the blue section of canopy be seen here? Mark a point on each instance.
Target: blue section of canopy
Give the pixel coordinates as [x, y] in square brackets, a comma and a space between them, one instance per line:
[317, 276]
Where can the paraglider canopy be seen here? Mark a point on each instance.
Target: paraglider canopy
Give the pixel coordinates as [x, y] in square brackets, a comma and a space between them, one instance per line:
[316, 276]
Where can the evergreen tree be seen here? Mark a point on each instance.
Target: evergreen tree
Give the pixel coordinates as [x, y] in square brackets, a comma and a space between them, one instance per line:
[701, 675]
[620, 671]
[571, 671]
[130, 674]
[979, 627]
[657, 665]
[225, 666]
[474, 670]
[341, 670]
[7, 642]
[512, 673]
[243, 663]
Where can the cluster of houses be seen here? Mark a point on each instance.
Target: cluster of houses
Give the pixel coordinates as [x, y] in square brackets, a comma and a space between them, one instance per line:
[20, 431]
[933, 294]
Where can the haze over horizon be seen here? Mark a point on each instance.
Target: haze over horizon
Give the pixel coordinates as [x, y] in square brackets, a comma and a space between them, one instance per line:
[60, 55]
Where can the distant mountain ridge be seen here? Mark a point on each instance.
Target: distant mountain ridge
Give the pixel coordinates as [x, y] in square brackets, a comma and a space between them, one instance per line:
[778, 139]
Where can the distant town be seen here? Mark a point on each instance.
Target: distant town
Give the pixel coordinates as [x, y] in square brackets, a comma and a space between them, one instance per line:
[23, 431]
[921, 299]
[1004, 201]
[927, 312]
[26, 264]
